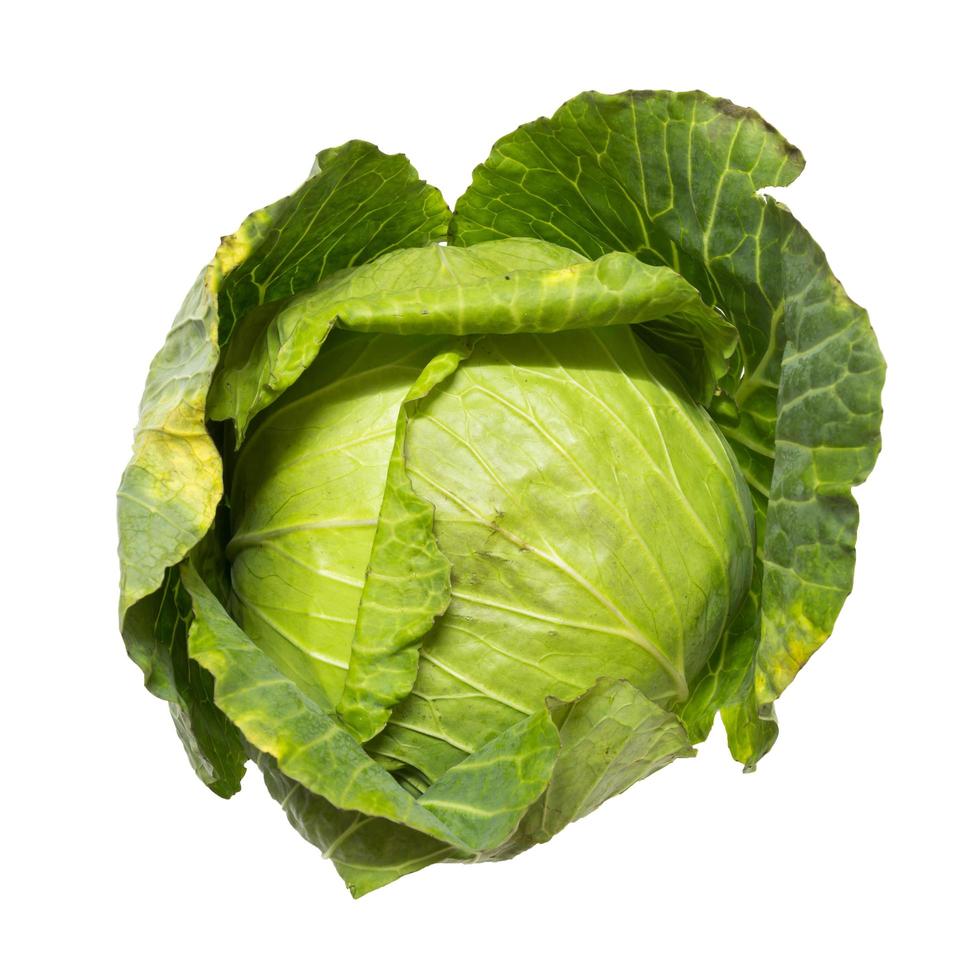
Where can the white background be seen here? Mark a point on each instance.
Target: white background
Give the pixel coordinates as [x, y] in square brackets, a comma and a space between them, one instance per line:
[136, 135]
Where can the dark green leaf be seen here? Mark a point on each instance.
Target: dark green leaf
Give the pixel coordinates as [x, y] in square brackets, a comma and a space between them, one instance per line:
[674, 178]
[368, 852]
[156, 637]
[358, 203]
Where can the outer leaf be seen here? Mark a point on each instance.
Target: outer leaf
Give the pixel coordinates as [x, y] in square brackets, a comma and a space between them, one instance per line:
[611, 737]
[406, 587]
[674, 179]
[152, 630]
[357, 204]
[827, 440]
[728, 675]
[170, 489]
[166, 503]
[308, 743]
[367, 852]
[751, 728]
[475, 805]
[483, 798]
[509, 287]
[156, 636]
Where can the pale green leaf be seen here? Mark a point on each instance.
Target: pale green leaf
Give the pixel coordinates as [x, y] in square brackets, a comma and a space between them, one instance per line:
[611, 737]
[305, 496]
[483, 798]
[406, 584]
[596, 526]
[507, 287]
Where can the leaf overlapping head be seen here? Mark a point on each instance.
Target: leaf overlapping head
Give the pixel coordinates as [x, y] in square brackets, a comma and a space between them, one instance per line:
[458, 524]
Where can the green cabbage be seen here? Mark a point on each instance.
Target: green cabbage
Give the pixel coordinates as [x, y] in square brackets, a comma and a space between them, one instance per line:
[458, 524]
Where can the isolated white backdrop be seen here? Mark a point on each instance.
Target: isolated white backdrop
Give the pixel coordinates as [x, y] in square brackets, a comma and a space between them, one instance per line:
[136, 136]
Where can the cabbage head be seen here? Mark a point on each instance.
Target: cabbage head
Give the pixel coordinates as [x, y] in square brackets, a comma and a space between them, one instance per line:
[459, 523]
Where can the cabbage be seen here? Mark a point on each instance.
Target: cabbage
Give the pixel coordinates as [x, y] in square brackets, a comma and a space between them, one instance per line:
[458, 525]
